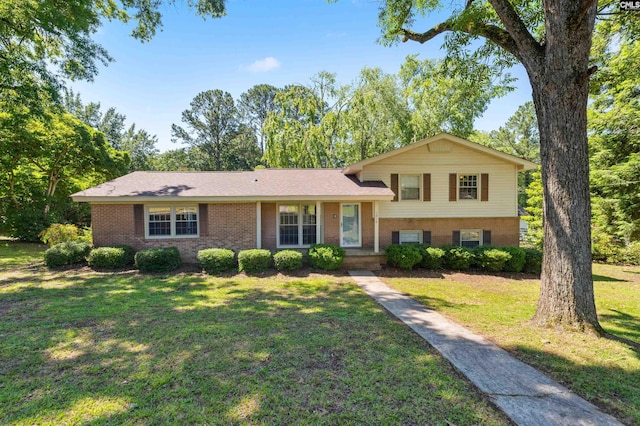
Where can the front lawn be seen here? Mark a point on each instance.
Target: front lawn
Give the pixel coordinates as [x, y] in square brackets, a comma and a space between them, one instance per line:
[78, 346]
[604, 371]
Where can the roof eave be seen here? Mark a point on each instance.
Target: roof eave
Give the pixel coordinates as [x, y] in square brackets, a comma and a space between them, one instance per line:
[184, 199]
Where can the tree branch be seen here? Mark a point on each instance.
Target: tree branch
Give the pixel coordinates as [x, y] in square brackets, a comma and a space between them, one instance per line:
[527, 46]
[582, 10]
[490, 32]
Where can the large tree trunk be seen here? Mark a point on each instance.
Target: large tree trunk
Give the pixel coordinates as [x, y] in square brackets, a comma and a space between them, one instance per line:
[560, 89]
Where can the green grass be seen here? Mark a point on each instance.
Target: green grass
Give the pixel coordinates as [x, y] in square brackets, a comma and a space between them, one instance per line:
[81, 347]
[14, 254]
[602, 370]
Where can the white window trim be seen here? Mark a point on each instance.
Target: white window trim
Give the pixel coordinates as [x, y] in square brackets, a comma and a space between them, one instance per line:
[411, 231]
[300, 224]
[479, 231]
[419, 187]
[477, 175]
[173, 222]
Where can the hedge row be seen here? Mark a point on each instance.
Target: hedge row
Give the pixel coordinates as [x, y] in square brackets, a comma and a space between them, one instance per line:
[321, 256]
[508, 259]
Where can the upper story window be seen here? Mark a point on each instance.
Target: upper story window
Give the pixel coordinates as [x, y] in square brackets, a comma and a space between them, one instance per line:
[172, 222]
[409, 187]
[467, 187]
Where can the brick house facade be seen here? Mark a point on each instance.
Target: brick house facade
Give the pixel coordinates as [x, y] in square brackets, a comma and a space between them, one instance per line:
[440, 190]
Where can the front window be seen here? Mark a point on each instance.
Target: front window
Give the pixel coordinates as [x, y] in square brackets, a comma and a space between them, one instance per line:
[470, 237]
[468, 187]
[167, 221]
[410, 237]
[410, 187]
[297, 225]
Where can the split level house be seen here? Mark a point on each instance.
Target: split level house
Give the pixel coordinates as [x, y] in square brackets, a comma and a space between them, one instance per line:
[440, 190]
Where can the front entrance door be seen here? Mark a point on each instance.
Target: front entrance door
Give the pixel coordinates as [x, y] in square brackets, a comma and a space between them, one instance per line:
[350, 229]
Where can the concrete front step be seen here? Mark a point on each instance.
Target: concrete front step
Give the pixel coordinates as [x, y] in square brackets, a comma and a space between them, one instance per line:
[370, 262]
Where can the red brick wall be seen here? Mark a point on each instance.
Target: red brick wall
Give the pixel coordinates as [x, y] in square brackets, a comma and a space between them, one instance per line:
[331, 223]
[505, 231]
[269, 231]
[230, 226]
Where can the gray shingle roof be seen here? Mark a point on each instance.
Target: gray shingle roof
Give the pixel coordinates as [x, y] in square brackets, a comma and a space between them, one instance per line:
[265, 184]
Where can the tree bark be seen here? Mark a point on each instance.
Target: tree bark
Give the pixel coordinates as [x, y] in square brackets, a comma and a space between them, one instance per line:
[560, 91]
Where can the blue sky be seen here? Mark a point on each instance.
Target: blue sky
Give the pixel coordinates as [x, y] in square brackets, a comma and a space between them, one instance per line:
[275, 42]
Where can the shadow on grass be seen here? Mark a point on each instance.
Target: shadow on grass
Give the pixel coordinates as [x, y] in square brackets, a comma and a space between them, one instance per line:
[132, 348]
[609, 279]
[613, 389]
[628, 328]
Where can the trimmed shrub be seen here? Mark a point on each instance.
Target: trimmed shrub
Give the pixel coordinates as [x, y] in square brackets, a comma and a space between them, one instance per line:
[431, 257]
[492, 259]
[631, 253]
[326, 256]
[161, 259]
[604, 247]
[216, 260]
[287, 260]
[533, 260]
[517, 261]
[403, 256]
[66, 253]
[254, 260]
[457, 258]
[59, 233]
[111, 257]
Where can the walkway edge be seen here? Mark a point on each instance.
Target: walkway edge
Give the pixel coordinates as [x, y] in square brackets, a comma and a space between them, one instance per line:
[527, 396]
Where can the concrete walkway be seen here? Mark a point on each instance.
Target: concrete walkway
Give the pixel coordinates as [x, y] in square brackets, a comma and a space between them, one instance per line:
[526, 395]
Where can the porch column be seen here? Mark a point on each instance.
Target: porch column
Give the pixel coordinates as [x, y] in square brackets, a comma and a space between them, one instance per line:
[258, 224]
[319, 238]
[376, 228]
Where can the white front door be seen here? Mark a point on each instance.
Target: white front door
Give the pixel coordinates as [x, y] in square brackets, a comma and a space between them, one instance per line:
[350, 227]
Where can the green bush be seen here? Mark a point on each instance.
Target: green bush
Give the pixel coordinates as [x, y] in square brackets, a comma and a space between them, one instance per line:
[604, 247]
[491, 258]
[161, 259]
[66, 253]
[457, 258]
[517, 261]
[111, 257]
[287, 260]
[254, 260]
[403, 256]
[431, 257]
[631, 253]
[533, 260]
[59, 233]
[216, 260]
[326, 256]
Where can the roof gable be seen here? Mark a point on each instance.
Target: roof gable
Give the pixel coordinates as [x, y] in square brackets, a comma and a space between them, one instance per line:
[443, 143]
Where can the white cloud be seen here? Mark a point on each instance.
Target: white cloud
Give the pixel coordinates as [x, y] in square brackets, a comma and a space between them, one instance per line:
[264, 65]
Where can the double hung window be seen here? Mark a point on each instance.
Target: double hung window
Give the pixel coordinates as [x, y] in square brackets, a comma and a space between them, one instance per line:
[172, 221]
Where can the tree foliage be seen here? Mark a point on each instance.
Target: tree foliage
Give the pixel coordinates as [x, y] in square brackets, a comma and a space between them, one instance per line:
[552, 40]
[217, 138]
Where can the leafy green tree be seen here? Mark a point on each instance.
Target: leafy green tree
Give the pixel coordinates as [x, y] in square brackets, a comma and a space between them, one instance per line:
[255, 105]
[174, 160]
[215, 134]
[552, 40]
[376, 118]
[138, 142]
[448, 97]
[52, 156]
[304, 129]
[43, 42]
[614, 124]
